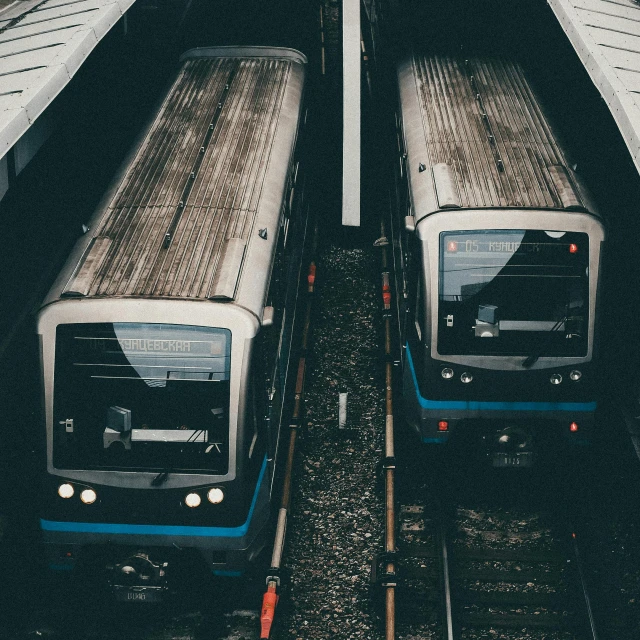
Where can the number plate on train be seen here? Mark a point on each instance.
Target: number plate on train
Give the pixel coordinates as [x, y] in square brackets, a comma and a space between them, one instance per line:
[512, 459]
[139, 596]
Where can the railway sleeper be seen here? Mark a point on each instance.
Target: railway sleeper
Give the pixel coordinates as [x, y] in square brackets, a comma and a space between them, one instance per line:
[505, 555]
[512, 576]
[522, 621]
[522, 598]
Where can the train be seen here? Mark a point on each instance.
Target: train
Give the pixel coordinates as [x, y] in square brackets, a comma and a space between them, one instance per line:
[497, 251]
[166, 339]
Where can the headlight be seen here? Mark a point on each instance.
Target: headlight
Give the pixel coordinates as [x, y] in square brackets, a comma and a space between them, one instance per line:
[555, 378]
[193, 500]
[466, 377]
[575, 375]
[65, 490]
[215, 495]
[447, 373]
[88, 496]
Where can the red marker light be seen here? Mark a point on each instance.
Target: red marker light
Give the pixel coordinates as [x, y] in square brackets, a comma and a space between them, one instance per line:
[452, 246]
[443, 425]
[573, 427]
[573, 248]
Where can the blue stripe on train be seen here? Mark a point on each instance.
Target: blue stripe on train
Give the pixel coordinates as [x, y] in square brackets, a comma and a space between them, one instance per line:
[495, 406]
[154, 529]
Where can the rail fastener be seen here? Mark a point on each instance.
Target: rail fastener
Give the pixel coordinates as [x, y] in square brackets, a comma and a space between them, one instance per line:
[383, 577]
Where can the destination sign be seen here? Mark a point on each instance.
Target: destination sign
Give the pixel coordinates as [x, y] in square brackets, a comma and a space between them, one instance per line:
[155, 345]
[506, 246]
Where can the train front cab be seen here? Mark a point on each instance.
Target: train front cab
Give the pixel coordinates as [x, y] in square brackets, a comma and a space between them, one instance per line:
[156, 440]
[499, 331]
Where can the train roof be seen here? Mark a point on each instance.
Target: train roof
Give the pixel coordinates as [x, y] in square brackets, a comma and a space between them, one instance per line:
[199, 201]
[476, 137]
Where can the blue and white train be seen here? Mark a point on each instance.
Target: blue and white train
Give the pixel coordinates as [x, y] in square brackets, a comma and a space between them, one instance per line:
[165, 341]
[497, 259]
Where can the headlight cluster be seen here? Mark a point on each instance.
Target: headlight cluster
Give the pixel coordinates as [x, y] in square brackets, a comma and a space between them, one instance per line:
[556, 378]
[447, 373]
[215, 495]
[87, 495]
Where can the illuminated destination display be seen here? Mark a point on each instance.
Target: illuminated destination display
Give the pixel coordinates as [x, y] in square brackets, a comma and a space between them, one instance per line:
[155, 345]
[513, 292]
[506, 246]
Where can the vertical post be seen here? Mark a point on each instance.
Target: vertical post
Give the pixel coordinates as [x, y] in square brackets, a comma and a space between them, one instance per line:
[351, 112]
[342, 410]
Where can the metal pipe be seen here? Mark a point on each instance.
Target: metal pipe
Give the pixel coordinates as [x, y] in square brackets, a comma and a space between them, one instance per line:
[270, 598]
[278, 546]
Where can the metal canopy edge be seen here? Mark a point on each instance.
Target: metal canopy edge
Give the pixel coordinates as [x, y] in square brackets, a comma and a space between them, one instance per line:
[592, 35]
[58, 58]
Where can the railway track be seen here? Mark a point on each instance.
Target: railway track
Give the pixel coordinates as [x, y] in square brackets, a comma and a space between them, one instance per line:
[494, 565]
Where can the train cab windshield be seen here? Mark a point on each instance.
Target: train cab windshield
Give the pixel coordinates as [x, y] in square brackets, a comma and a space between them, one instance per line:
[142, 397]
[513, 292]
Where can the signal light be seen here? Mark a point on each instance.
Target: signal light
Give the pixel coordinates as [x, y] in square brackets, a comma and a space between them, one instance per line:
[573, 248]
[573, 427]
[443, 425]
[452, 246]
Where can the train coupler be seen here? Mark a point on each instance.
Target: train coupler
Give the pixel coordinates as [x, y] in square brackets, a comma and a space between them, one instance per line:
[380, 575]
[138, 578]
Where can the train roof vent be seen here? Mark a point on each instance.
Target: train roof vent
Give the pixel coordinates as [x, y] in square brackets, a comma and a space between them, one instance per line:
[80, 282]
[446, 186]
[228, 270]
[562, 183]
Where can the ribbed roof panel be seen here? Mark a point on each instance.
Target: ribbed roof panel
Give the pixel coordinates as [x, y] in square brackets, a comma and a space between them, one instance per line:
[196, 180]
[481, 118]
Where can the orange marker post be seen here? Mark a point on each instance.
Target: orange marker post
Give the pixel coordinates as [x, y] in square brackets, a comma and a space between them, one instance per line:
[269, 602]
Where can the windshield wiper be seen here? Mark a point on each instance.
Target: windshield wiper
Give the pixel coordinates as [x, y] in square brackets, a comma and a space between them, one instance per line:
[529, 361]
[161, 478]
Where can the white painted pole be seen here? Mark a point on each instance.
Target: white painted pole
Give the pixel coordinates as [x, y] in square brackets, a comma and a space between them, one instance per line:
[351, 113]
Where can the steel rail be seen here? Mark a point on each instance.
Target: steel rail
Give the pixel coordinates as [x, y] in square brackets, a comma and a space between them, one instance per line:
[322, 47]
[447, 630]
[569, 512]
[593, 634]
